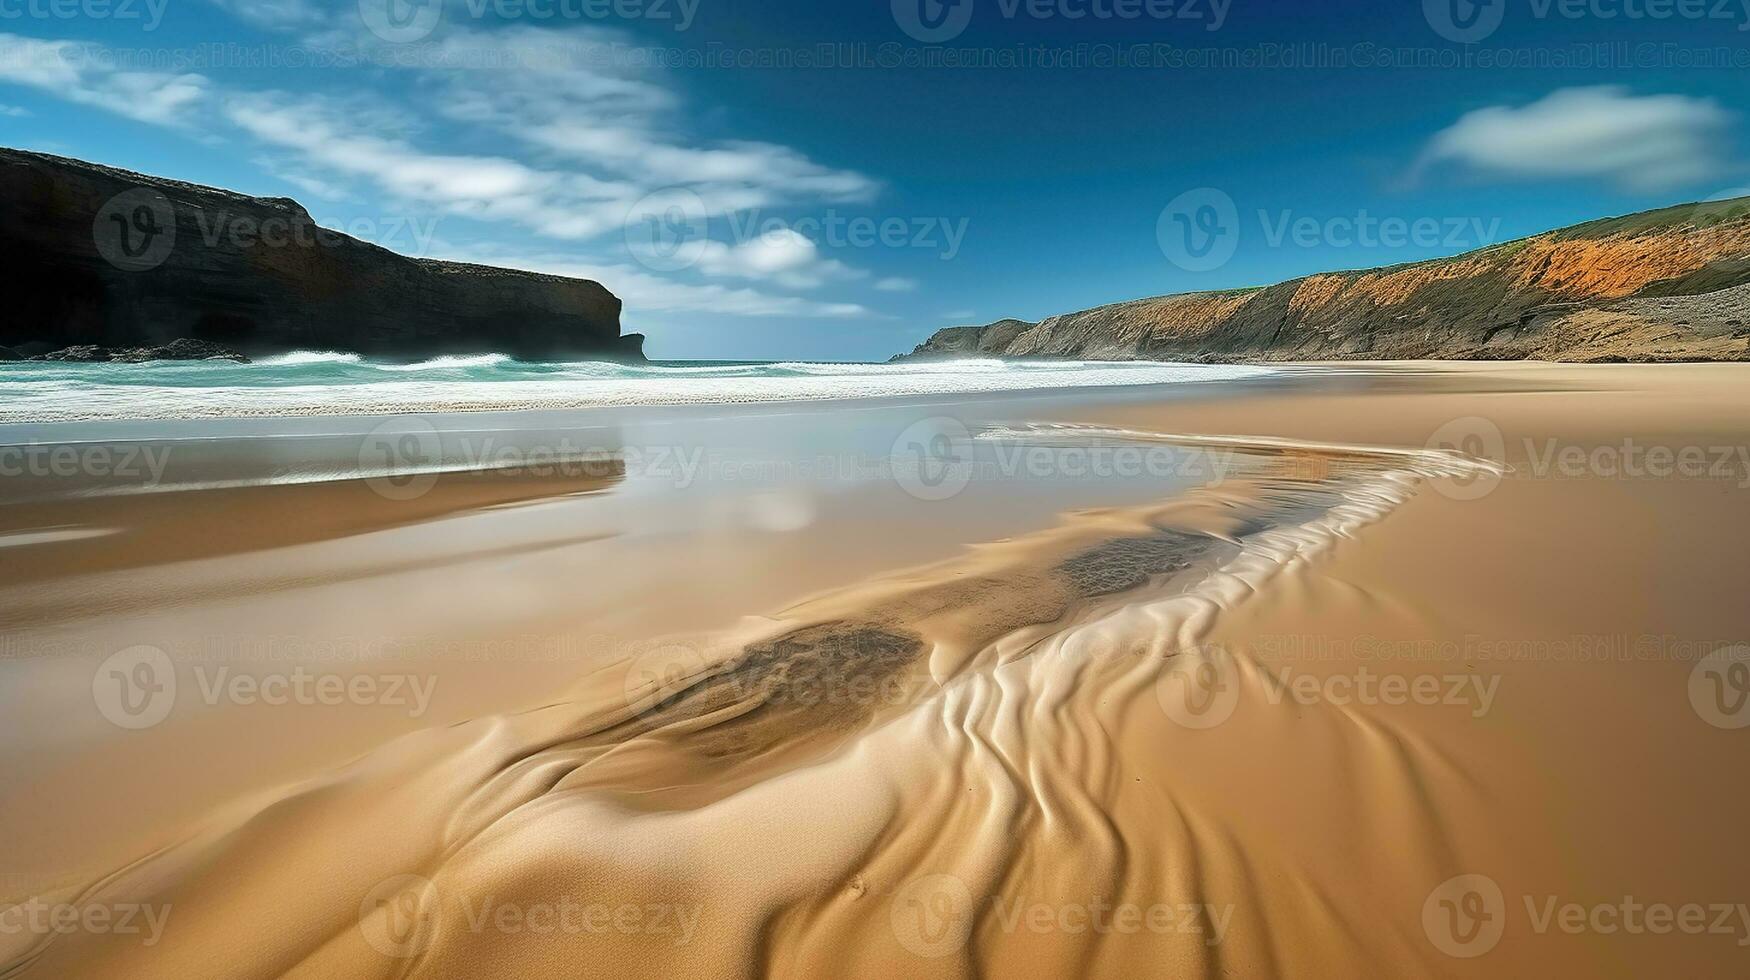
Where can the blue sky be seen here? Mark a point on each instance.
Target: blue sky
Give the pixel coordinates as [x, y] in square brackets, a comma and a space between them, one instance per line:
[985, 159]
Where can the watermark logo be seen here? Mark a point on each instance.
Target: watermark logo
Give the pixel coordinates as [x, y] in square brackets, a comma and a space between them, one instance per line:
[1465, 21]
[667, 230]
[1199, 230]
[45, 919]
[933, 458]
[1200, 688]
[932, 916]
[401, 21]
[1465, 917]
[1478, 438]
[399, 916]
[1472, 692]
[1719, 688]
[660, 674]
[150, 13]
[933, 21]
[135, 230]
[106, 461]
[400, 458]
[135, 688]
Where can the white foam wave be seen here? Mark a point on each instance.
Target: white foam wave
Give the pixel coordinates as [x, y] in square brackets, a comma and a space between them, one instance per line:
[561, 387]
[449, 362]
[301, 357]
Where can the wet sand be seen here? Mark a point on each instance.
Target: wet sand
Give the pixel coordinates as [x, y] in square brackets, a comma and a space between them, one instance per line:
[1408, 671]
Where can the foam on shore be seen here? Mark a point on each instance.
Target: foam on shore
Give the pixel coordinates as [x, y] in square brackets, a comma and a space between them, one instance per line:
[307, 384]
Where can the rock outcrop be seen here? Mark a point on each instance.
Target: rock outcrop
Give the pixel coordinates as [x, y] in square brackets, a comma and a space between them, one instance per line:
[108, 258]
[182, 349]
[1660, 286]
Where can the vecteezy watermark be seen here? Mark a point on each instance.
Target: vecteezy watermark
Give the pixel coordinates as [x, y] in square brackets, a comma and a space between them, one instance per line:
[670, 229]
[1467, 916]
[937, 458]
[1199, 688]
[42, 918]
[409, 235]
[1473, 21]
[1631, 459]
[1201, 229]
[1554, 459]
[662, 673]
[150, 13]
[1719, 688]
[138, 687]
[667, 672]
[1470, 649]
[135, 688]
[407, 21]
[932, 916]
[929, 233]
[399, 916]
[1465, 21]
[135, 230]
[402, 459]
[571, 915]
[940, 21]
[1472, 692]
[123, 461]
[934, 458]
[1477, 438]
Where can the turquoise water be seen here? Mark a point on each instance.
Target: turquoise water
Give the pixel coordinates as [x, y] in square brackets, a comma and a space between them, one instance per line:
[314, 383]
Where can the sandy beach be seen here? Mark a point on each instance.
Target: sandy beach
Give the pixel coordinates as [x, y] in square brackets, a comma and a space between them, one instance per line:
[1400, 669]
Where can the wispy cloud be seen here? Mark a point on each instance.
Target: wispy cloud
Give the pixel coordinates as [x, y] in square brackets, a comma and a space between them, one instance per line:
[327, 135]
[76, 72]
[782, 256]
[1644, 143]
[649, 293]
[576, 141]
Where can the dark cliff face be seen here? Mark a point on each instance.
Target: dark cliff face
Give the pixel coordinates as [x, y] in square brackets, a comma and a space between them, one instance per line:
[1672, 284]
[116, 259]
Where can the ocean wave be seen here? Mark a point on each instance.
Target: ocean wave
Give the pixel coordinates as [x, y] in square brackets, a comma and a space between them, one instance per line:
[301, 357]
[450, 362]
[494, 382]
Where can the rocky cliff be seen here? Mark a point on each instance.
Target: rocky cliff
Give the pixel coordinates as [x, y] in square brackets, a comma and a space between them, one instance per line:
[1663, 285]
[98, 256]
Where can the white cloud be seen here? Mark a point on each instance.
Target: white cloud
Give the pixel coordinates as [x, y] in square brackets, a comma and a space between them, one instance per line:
[561, 205]
[1644, 143]
[896, 284]
[589, 140]
[782, 256]
[77, 72]
[566, 95]
[314, 186]
[646, 293]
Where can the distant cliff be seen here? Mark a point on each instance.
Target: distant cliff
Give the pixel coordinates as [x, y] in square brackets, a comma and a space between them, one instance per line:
[98, 256]
[1664, 285]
